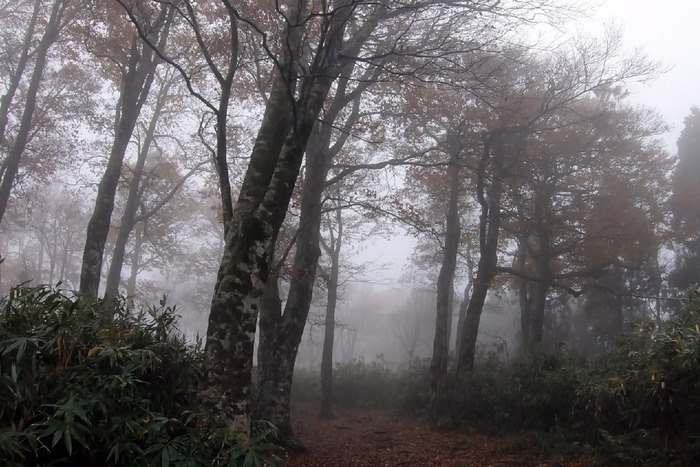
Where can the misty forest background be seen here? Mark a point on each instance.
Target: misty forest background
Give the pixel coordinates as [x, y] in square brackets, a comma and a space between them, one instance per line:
[241, 159]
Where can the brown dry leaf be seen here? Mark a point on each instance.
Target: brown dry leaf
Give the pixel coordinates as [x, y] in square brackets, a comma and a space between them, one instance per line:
[367, 437]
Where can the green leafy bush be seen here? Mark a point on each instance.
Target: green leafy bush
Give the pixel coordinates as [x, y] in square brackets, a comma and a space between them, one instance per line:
[643, 396]
[535, 391]
[93, 384]
[639, 401]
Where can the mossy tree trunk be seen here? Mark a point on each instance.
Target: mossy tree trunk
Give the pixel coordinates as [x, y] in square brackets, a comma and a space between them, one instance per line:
[281, 332]
[262, 205]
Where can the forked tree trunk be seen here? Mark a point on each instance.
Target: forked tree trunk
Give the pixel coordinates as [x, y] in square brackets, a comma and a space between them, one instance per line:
[132, 202]
[280, 334]
[135, 87]
[283, 332]
[489, 229]
[260, 211]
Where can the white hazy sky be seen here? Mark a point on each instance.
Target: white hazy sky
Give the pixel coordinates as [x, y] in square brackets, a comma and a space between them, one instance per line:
[668, 31]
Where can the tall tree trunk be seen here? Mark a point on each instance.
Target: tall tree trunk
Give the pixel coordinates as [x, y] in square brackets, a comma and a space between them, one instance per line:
[53, 257]
[524, 296]
[139, 234]
[220, 159]
[333, 250]
[128, 219]
[283, 332]
[441, 342]
[40, 263]
[14, 156]
[259, 213]
[465, 303]
[462, 315]
[137, 78]
[16, 77]
[489, 230]
[539, 296]
[543, 257]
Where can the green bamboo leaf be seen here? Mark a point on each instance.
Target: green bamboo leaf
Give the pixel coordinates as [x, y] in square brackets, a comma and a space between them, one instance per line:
[68, 440]
[165, 457]
[57, 435]
[248, 461]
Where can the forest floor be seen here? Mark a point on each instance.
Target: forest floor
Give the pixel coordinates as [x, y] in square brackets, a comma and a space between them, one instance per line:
[374, 437]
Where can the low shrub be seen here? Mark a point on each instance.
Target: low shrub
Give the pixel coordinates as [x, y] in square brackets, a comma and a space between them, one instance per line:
[360, 384]
[643, 396]
[639, 401]
[89, 383]
[534, 391]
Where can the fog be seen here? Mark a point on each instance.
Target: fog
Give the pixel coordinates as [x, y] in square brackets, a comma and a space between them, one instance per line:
[497, 180]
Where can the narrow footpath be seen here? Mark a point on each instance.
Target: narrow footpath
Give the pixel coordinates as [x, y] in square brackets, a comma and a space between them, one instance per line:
[375, 438]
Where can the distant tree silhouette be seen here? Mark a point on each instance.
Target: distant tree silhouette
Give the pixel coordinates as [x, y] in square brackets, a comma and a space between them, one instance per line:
[685, 204]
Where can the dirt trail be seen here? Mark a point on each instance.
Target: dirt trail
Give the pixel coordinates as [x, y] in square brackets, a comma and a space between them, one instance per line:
[376, 438]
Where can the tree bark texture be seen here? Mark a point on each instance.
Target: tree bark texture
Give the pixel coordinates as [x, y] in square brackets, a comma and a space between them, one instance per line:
[262, 205]
[283, 333]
